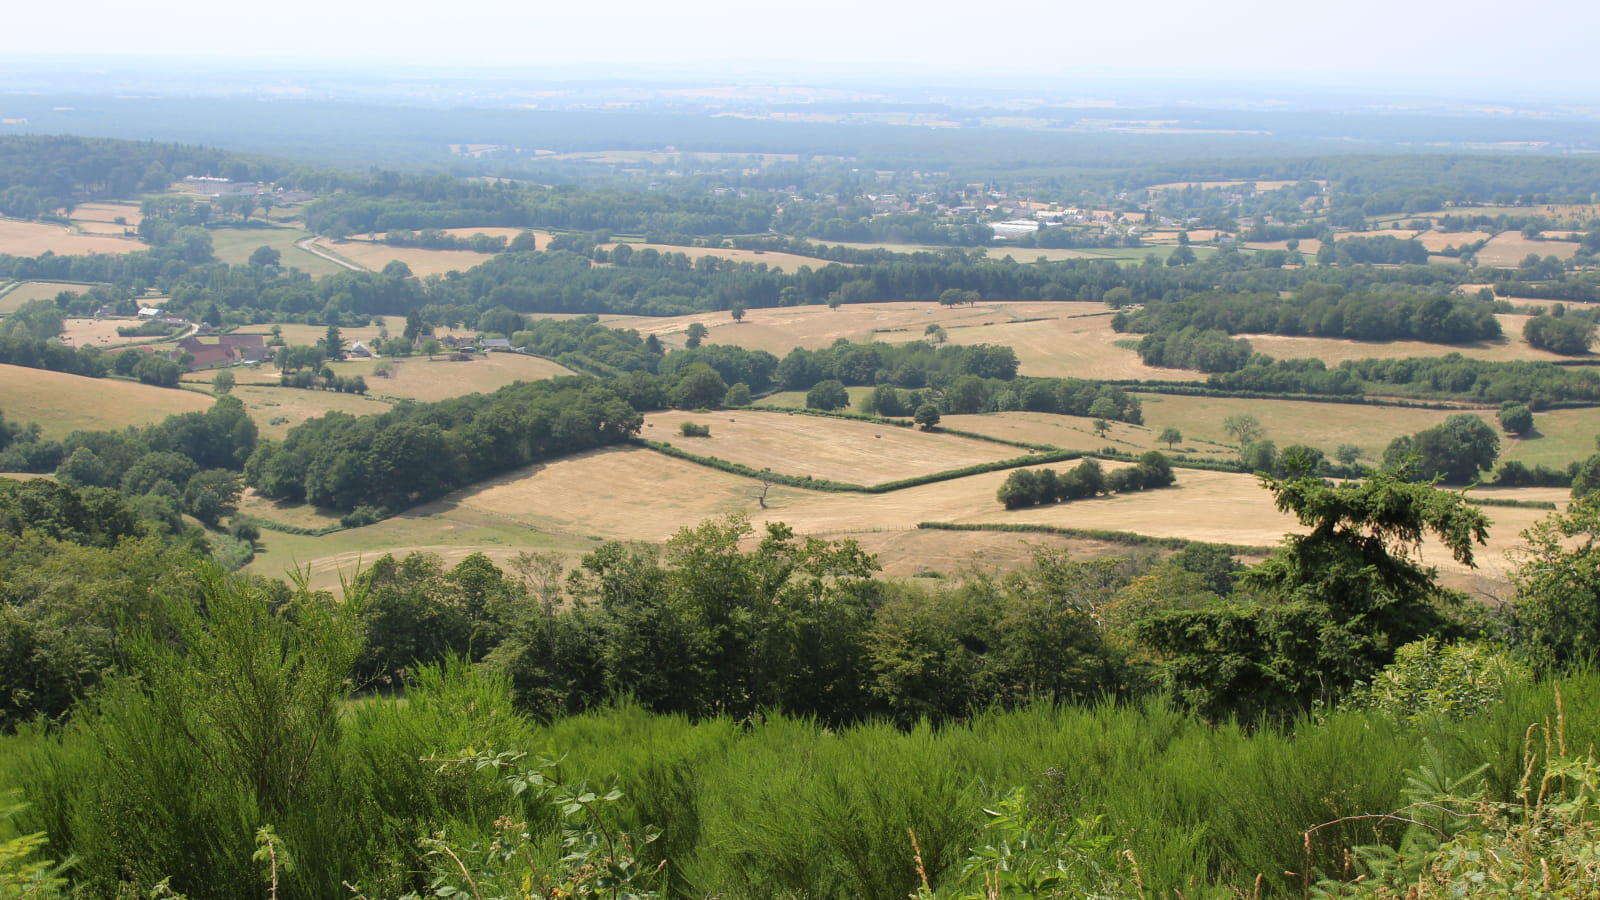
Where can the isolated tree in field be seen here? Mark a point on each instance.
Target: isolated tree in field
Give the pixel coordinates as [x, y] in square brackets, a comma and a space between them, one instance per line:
[927, 416]
[431, 346]
[1101, 426]
[265, 257]
[222, 382]
[524, 241]
[1245, 428]
[1454, 451]
[828, 395]
[935, 334]
[737, 311]
[697, 333]
[1516, 418]
[333, 343]
[957, 296]
[1170, 436]
[1347, 454]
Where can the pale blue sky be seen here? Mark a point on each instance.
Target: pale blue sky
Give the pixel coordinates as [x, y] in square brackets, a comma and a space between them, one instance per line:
[1485, 48]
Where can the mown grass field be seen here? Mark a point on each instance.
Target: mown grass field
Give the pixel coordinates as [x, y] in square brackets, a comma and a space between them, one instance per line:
[234, 245]
[1321, 425]
[34, 290]
[1559, 437]
[62, 403]
[831, 449]
[375, 255]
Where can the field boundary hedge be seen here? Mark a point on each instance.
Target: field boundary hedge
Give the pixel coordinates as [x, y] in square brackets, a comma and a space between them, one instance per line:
[1130, 538]
[1195, 389]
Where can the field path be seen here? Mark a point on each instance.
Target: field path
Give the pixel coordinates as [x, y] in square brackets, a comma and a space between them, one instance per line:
[310, 246]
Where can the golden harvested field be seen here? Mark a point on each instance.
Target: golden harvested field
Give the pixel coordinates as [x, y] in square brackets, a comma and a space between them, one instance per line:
[780, 329]
[101, 333]
[1336, 350]
[439, 528]
[34, 238]
[1580, 211]
[418, 378]
[1064, 338]
[833, 449]
[1308, 247]
[1321, 425]
[1510, 248]
[1208, 506]
[63, 403]
[375, 255]
[294, 406]
[108, 213]
[1436, 241]
[1079, 344]
[1077, 432]
[34, 290]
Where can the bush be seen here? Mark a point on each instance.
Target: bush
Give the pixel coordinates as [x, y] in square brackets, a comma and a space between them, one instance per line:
[691, 429]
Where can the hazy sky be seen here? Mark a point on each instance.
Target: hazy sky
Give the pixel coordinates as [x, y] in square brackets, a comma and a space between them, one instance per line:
[1486, 48]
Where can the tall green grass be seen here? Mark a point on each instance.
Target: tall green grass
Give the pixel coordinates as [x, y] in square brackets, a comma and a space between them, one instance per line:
[776, 807]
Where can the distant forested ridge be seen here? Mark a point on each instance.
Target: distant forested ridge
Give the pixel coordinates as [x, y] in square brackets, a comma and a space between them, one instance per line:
[40, 174]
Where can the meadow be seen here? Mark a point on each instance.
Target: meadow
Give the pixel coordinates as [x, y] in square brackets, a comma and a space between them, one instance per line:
[234, 246]
[374, 255]
[33, 290]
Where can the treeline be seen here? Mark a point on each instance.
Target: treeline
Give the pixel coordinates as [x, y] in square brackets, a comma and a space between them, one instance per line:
[1380, 250]
[389, 201]
[1323, 310]
[417, 452]
[1039, 487]
[1539, 385]
[651, 282]
[43, 174]
[434, 239]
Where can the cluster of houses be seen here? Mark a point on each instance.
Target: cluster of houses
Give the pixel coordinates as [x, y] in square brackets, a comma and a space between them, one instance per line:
[223, 350]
